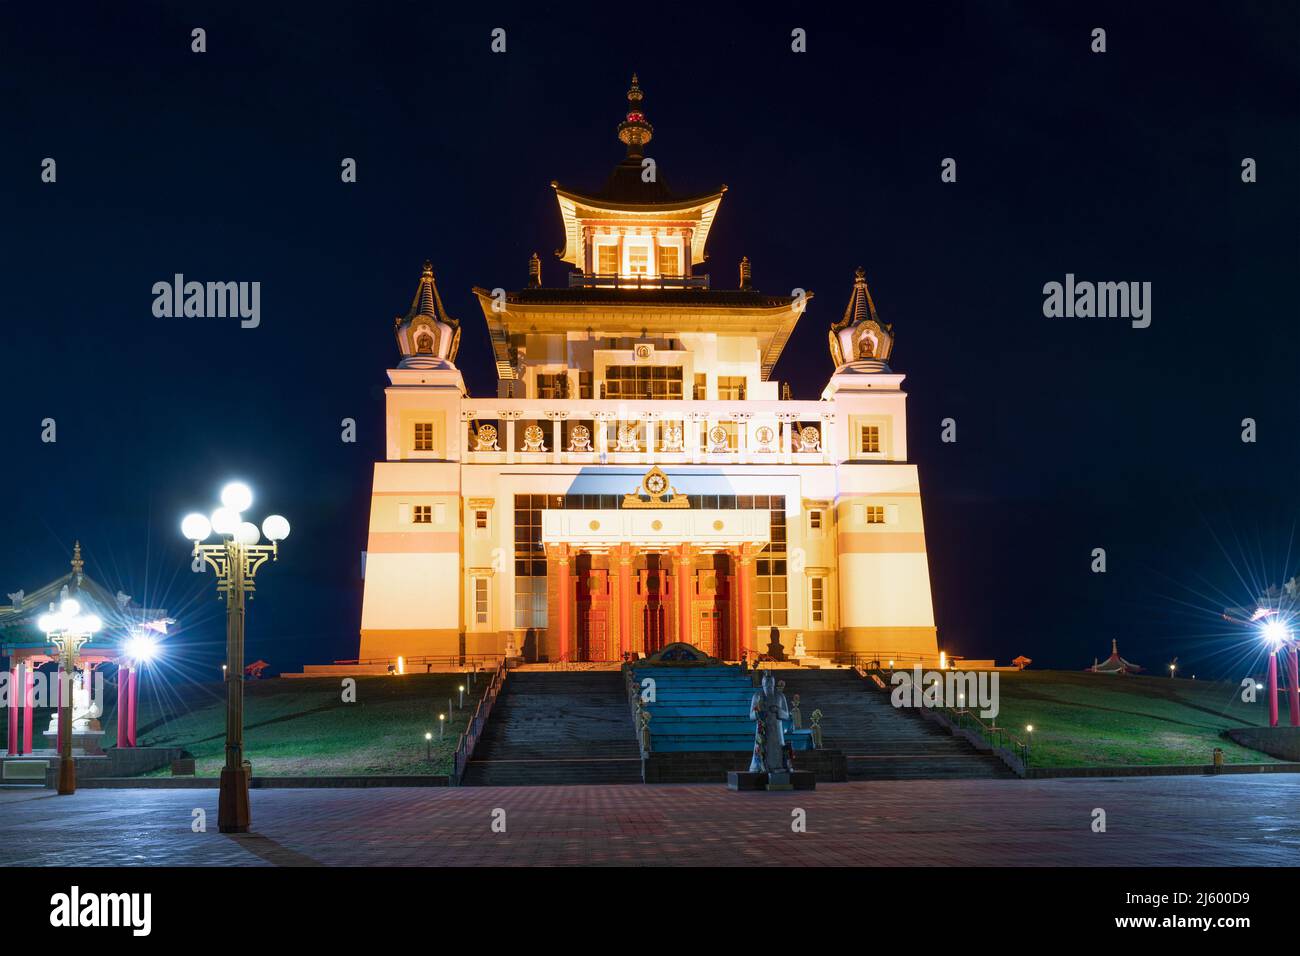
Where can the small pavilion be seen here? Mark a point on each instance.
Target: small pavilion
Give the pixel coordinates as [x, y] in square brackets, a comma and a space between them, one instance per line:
[1114, 664]
[28, 649]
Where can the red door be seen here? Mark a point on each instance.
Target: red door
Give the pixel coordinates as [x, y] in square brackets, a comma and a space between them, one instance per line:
[710, 625]
[593, 615]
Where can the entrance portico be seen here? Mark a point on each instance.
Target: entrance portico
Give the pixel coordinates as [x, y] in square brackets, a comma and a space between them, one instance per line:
[662, 573]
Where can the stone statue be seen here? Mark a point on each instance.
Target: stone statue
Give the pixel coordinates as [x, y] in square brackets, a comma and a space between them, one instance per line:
[817, 728]
[16, 599]
[767, 708]
[796, 715]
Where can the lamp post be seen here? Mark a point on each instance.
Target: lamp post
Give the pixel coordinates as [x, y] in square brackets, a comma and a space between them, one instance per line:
[235, 559]
[428, 747]
[67, 628]
[442, 725]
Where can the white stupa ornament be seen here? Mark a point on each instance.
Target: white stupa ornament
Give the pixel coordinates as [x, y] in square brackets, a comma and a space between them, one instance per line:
[428, 337]
[859, 342]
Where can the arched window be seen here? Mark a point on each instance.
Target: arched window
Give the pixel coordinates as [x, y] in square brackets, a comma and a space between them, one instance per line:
[866, 348]
[424, 343]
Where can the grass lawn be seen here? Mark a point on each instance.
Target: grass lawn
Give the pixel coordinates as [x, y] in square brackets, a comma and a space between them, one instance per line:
[302, 727]
[1082, 719]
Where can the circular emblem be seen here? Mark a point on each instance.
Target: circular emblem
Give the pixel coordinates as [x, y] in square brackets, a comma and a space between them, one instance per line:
[595, 526]
[656, 484]
[657, 525]
[717, 526]
[764, 435]
[718, 435]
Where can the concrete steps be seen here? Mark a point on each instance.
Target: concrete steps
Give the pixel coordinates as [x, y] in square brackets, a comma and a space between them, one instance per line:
[551, 728]
[879, 741]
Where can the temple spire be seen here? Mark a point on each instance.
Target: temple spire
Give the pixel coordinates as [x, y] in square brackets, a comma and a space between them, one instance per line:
[78, 565]
[635, 130]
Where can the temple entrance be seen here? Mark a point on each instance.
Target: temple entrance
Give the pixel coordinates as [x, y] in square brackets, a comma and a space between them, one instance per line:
[710, 632]
[651, 592]
[593, 613]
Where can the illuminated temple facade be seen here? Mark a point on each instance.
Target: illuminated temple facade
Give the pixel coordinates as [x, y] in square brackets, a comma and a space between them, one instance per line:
[639, 478]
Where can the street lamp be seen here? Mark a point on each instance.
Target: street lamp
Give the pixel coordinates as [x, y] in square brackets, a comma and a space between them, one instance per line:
[67, 629]
[140, 648]
[461, 688]
[428, 746]
[235, 559]
[442, 724]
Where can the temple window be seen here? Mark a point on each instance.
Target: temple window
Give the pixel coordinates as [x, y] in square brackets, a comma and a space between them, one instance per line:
[817, 600]
[669, 261]
[875, 514]
[815, 519]
[870, 439]
[423, 514]
[630, 382]
[701, 386]
[731, 388]
[480, 519]
[480, 601]
[552, 385]
[638, 260]
[424, 436]
[607, 259]
[769, 580]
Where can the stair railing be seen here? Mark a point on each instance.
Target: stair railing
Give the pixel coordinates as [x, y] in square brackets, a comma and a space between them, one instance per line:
[963, 718]
[474, 729]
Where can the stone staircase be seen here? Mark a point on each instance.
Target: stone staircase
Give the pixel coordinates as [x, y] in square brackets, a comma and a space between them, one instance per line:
[555, 728]
[880, 742]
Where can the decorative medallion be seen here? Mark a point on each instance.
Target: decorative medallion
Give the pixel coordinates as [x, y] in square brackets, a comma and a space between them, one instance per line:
[658, 490]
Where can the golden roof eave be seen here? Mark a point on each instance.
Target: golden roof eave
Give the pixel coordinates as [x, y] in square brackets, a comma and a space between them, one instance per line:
[575, 207]
[771, 325]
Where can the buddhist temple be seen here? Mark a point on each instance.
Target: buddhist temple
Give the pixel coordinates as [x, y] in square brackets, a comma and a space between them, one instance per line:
[639, 478]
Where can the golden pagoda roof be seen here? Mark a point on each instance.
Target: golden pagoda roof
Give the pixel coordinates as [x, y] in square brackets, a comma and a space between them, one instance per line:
[628, 197]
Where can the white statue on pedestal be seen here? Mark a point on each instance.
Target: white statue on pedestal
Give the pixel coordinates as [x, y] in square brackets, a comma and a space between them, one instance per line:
[767, 708]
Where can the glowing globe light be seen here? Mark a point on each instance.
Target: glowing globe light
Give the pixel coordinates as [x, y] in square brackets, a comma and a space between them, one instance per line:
[70, 607]
[196, 527]
[247, 533]
[1275, 632]
[47, 622]
[225, 521]
[141, 647]
[88, 623]
[237, 496]
[275, 528]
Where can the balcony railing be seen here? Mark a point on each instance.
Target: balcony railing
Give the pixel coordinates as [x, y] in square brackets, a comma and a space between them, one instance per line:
[587, 431]
[582, 280]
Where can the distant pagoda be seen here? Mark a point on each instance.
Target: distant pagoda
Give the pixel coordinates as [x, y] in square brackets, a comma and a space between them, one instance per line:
[1114, 664]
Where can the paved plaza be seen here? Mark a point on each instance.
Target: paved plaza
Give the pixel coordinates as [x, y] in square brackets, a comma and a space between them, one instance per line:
[1215, 821]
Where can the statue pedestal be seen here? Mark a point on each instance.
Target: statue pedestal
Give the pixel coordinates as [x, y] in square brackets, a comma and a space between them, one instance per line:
[779, 780]
[85, 743]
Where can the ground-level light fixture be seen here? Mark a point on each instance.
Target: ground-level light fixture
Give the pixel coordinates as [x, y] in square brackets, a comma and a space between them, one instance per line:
[235, 559]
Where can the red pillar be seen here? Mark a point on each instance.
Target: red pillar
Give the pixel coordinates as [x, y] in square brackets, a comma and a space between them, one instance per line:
[29, 706]
[123, 696]
[58, 708]
[623, 554]
[133, 687]
[1292, 689]
[15, 690]
[562, 597]
[745, 598]
[683, 558]
[1272, 689]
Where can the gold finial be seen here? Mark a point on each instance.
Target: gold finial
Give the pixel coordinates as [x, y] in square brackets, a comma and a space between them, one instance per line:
[78, 565]
[635, 131]
[746, 272]
[428, 269]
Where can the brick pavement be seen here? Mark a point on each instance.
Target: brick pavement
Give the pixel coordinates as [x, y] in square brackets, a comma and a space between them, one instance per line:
[1151, 821]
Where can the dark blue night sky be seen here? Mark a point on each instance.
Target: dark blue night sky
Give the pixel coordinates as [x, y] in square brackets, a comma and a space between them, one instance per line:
[1072, 433]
